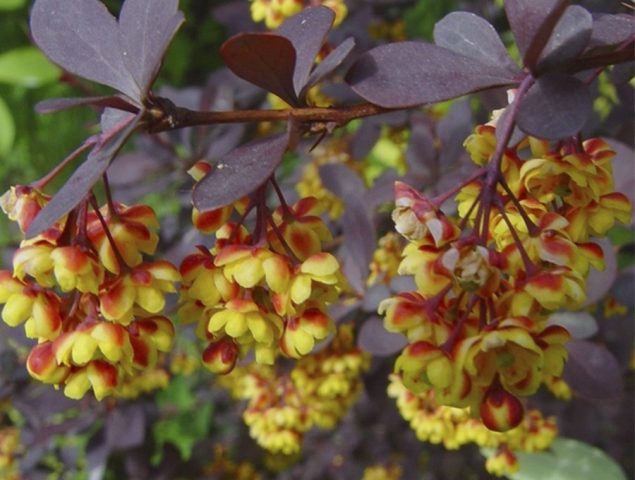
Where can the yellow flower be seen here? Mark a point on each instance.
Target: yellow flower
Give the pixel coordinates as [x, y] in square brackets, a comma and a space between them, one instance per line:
[76, 269]
[145, 286]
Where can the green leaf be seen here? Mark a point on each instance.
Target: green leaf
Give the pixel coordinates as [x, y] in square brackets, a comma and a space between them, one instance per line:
[568, 459]
[7, 128]
[27, 67]
[178, 394]
[184, 430]
[11, 4]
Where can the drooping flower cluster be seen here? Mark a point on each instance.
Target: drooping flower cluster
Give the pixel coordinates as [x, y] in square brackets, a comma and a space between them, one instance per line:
[266, 292]
[454, 427]
[318, 391]
[477, 323]
[84, 292]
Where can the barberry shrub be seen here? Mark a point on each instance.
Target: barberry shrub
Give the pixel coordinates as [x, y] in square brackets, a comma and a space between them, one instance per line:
[365, 239]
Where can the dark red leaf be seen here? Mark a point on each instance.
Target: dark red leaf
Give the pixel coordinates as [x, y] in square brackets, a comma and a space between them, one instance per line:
[82, 37]
[610, 30]
[240, 172]
[307, 31]
[406, 74]
[569, 38]
[532, 22]
[555, 107]
[147, 27]
[264, 59]
[83, 179]
[329, 64]
[376, 340]
[592, 371]
[471, 35]
[58, 104]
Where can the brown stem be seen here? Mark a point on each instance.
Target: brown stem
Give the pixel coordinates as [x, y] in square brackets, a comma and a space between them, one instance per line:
[181, 117]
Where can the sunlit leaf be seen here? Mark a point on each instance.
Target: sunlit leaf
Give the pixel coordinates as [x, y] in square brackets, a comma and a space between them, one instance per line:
[11, 4]
[7, 128]
[27, 67]
[567, 459]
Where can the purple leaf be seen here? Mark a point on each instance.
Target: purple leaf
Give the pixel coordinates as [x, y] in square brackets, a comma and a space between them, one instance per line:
[132, 168]
[359, 233]
[421, 151]
[471, 35]
[125, 427]
[406, 74]
[569, 38]
[264, 59]
[611, 30]
[147, 27]
[342, 181]
[532, 22]
[58, 104]
[376, 340]
[555, 107]
[82, 37]
[365, 138]
[307, 32]
[593, 371]
[240, 172]
[598, 284]
[580, 325]
[329, 64]
[452, 130]
[83, 179]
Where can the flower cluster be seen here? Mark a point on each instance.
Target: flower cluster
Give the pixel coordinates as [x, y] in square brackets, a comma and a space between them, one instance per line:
[10, 445]
[267, 293]
[274, 12]
[486, 282]
[223, 467]
[318, 391]
[384, 265]
[383, 472]
[84, 292]
[454, 427]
